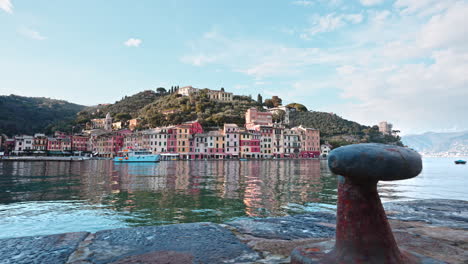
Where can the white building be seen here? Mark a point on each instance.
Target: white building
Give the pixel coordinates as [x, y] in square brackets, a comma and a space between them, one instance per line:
[278, 110]
[278, 140]
[201, 143]
[187, 90]
[23, 143]
[292, 143]
[158, 139]
[325, 150]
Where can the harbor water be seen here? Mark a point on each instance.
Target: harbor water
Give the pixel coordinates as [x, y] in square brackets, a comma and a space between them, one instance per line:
[38, 198]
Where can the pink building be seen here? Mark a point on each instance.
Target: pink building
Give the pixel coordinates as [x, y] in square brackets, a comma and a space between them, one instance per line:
[266, 141]
[250, 144]
[80, 143]
[310, 141]
[231, 140]
[109, 144]
[172, 140]
[255, 118]
[54, 145]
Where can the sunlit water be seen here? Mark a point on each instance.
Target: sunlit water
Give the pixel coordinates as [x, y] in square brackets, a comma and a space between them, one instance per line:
[56, 197]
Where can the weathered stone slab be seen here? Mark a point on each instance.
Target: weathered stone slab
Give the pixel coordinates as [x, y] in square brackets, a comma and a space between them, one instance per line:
[437, 212]
[39, 249]
[316, 225]
[202, 242]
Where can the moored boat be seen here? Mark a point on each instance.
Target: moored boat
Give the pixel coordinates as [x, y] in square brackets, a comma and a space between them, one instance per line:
[460, 162]
[137, 156]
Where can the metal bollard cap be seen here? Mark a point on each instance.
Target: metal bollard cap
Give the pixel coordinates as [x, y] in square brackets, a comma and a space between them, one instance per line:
[371, 162]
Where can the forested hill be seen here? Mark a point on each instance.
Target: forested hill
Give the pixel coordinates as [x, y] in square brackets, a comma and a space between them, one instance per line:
[29, 115]
[160, 109]
[339, 131]
[128, 106]
[25, 115]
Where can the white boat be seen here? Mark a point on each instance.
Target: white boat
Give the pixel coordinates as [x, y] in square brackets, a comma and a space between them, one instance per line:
[142, 155]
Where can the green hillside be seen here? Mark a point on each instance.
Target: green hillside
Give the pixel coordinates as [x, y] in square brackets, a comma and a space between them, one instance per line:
[28, 115]
[175, 109]
[128, 106]
[339, 131]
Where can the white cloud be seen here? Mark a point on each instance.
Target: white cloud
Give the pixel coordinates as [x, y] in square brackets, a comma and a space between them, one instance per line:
[409, 70]
[423, 7]
[27, 32]
[133, 42]
[303, 3]
[371, 2]
[7, 6]
[448, 28]
[199, 60]
[329, 22]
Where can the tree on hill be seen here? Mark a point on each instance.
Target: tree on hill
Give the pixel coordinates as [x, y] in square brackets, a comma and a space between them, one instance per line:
[275, 101]
[124, 117]
[298, 107]
[29, 115]
[161, 90]
[196, 106]
[259, 99]
[339, 131]
[269, 103]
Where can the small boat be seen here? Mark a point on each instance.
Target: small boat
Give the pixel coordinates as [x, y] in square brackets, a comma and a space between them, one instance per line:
[243, 159]
[460, 162]
[142, 155]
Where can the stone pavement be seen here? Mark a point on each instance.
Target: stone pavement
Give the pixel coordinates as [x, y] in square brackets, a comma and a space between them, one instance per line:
[435, 228]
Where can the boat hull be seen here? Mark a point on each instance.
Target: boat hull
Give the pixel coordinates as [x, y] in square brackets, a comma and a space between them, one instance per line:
[149, 158]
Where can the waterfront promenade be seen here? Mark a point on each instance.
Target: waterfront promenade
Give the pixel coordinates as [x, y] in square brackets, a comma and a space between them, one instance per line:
[433, 228]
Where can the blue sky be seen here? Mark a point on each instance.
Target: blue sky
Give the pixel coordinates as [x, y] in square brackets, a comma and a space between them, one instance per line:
[405, 61]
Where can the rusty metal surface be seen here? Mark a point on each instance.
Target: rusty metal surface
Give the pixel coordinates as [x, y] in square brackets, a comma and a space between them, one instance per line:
[363, 234]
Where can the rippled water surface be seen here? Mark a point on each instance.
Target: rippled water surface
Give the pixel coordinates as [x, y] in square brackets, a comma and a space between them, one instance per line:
[55, 197]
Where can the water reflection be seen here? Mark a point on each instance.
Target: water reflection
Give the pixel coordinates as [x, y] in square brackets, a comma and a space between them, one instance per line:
[55, 197]
[172, 192]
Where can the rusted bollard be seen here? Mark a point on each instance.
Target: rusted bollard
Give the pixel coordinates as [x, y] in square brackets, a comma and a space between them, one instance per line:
[363, 234]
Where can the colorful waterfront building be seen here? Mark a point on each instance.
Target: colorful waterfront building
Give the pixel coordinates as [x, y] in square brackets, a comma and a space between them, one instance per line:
[278, 141]
[292, 143]
[109, 144]
[216, 144]
[9, 145]
[250, 144]
[23, 144]
[172, 140]
[310, 141]
[80, 143]
[40, 142]
[201, 146]
[255, 118]
[231, 140]
[54, 145]
[266, 141]
[158, 139]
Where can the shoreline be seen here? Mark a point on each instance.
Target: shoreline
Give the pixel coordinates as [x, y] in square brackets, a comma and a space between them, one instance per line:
[435, 228]
[77, 158]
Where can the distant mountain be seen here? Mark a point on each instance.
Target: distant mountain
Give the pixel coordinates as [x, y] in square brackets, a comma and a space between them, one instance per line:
[28, 115]
[440, 144]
